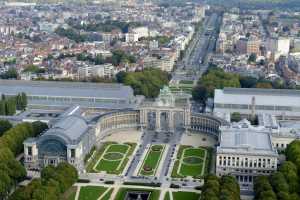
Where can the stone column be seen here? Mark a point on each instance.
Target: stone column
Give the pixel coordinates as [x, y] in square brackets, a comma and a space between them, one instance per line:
[187, 118]
[171, 121]
[157, 122]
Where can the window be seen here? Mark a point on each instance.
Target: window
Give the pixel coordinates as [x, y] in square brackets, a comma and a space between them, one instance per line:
[29, 151]
[72, 153]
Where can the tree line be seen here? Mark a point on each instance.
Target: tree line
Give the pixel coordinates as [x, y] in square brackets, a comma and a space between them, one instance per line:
[10, 104]
[11, 144]
[284, 183]
[225, 188]
[107, 26]
[217, 78]
[147, 82]
[53, 183]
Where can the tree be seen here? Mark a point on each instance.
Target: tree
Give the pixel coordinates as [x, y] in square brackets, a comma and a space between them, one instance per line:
[5, 184]
[261, 186]
[147, 82]
[4, 126]
[200, 94]
[290, 172]
[247, 81]
[10, 74]
[279, 183]
[252, 58]
[216, 78]
[2, 107]
[236, 117]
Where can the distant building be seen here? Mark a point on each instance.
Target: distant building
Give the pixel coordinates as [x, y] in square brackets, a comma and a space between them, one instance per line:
[64, 94]
[165, 62]
[105, 70]
[8, 29]
[199, 13]
[131, 37]
[278, 46]
[285, 103]
[141, 31]
[135, 34]
[245, 152]
[248, 46]
[153, 45]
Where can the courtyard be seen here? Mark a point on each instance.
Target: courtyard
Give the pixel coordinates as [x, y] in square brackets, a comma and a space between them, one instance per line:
[152, 160]
[190, 162]
[112, 158]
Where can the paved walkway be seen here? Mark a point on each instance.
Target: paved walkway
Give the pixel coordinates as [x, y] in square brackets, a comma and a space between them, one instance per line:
[77, 193]
[104, 193]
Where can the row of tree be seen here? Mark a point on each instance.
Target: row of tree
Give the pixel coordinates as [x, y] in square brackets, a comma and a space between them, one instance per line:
[9, 105]
[283, 184]
[14, 137]
[224, 188]
[53, 183]
[11, 144]
[147, 82]
[106, 26]
[11, 73]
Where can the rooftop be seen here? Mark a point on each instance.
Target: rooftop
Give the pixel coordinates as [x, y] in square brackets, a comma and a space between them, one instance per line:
[262, 96]
[74, 89]
[242, 138]
[71, 129]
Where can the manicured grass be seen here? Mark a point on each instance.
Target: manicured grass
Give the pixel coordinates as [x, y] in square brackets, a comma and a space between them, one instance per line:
[90, 165]
[108, 194]
[194, 152]
[113, 158]
[167, 196]
[123, 191]
[108, 166]
[185, 196]
[117, 148]
[190, 162]
[188, 170]
[91, 192]
[152, 160]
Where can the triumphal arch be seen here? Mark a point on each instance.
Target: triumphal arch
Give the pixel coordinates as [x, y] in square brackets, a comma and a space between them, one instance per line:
[169, 111]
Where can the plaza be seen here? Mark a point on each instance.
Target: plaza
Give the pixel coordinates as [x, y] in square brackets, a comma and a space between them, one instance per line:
[158, 142]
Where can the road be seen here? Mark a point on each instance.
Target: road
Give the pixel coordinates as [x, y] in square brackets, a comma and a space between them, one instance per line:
[196, 59]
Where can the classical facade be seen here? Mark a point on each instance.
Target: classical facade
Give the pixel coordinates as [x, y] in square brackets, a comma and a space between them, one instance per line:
[168, 112]
[72, 136]
[245, 152]
[70, 139]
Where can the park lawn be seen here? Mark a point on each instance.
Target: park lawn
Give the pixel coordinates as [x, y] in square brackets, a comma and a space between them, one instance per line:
[152, 160]
[122, 193]
[194, 152]
[111, 166]
[91, 192]
[90, 165]
[167, 196]
[108, 166]
[185, 196]
[121, 148]
[191, 170]
[108, 194]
